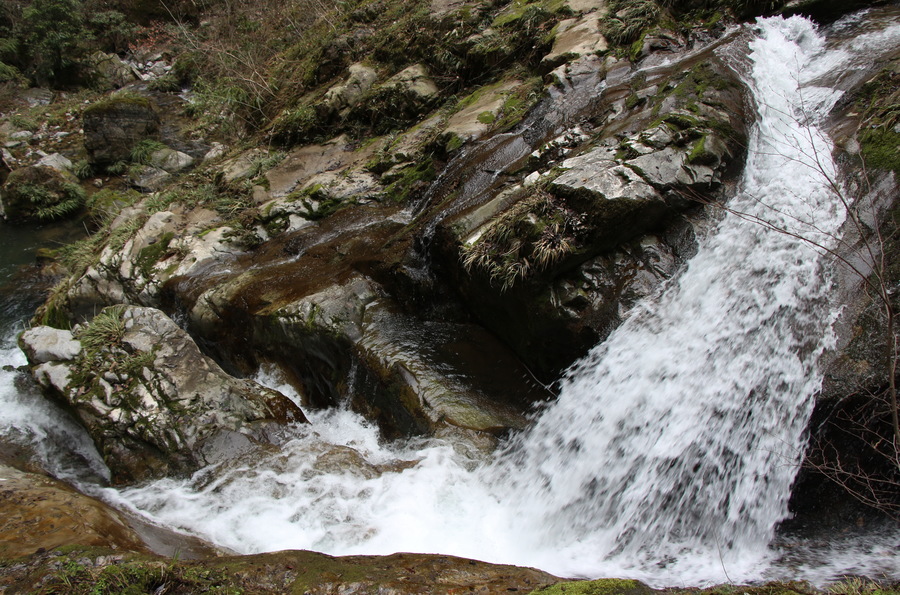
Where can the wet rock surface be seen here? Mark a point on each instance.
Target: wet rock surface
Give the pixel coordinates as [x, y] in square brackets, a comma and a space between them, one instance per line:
[40, 513]
[426, 277]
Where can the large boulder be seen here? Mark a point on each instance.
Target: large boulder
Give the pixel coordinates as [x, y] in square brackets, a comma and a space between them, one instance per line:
[114, 125]
[40, 193]
[111, 72]
[153, 404]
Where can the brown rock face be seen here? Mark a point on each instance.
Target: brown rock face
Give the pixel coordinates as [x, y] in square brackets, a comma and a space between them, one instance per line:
[37, 512]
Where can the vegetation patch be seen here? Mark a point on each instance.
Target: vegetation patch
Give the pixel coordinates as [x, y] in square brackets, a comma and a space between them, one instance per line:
[533, 235]
[41, 194]
[412, 181]
[879, 103]
[627, 20]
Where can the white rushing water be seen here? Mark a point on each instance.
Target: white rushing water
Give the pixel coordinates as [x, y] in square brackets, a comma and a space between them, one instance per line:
[56, 441]
[670, 452]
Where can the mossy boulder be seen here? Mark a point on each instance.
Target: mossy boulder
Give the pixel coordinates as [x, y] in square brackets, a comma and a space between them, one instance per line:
[152, 403]
[114, 125]
[40, 193]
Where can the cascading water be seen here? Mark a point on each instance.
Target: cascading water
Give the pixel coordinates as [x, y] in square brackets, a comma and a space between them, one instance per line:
[670, 452]
[682, 432]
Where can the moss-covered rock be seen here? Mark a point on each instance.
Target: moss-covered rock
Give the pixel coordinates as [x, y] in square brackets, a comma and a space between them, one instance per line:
[151, 402]
[114, 125]
[40, 193]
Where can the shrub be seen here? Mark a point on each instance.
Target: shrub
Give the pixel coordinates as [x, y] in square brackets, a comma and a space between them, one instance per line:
[55, 38]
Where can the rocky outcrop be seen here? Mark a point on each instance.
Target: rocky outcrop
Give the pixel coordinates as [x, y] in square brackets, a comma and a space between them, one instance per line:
[602, 214]
[153, 404]
[40, 513]
[114, 125]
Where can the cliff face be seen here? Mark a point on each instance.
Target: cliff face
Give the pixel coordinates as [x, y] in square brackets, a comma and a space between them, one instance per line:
[426, 211]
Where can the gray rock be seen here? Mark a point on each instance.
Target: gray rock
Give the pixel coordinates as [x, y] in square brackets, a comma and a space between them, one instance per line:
[598, 173]
[215, 151]
[43, 344]
[348, 93]
[171, 160]
[112, 71]
[414, 81]
[153, 404]
[149, 178]
[56, 161]
[660, 168]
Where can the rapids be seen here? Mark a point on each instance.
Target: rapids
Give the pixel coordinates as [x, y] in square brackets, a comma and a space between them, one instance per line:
[670, 453]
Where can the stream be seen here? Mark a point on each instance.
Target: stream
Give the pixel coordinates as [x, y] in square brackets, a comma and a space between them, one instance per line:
[670, 453]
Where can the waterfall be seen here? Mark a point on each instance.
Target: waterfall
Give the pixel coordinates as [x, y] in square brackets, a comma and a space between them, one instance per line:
[670, 452]
[683, 431]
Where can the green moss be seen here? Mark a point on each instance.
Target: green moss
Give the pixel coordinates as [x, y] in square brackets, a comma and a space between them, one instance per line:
[487, 117]
[117, 100]
[453, 143]
[680, 121]
[597, 587]
[699, 155]
[881, 148]
[413, 180]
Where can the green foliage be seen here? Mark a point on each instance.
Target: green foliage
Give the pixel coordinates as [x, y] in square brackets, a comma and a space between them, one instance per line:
[627, 20]
[297, 125]
[118, 168]
[105, 330]
[11, 74]
[143, 151]
[264, 163]
[24, 122]
[55, 38]
[75, 570]
[861, 586]
[47, 204]
[112, 30]
[83, 169]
